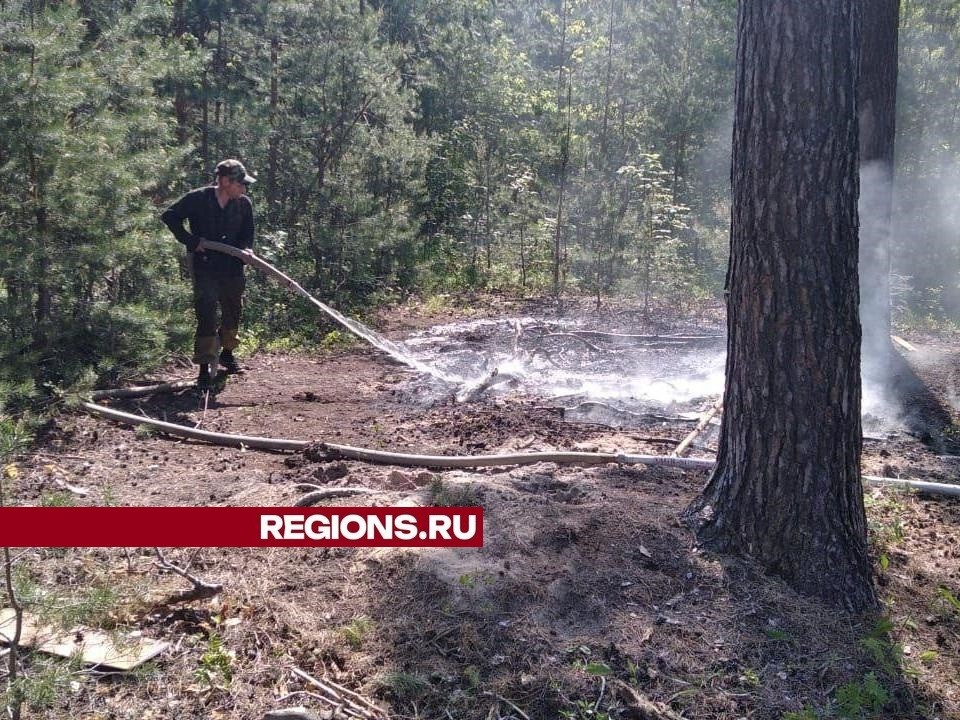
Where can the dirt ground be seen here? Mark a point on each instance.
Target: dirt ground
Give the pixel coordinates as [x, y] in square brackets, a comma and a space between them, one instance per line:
[588, 600]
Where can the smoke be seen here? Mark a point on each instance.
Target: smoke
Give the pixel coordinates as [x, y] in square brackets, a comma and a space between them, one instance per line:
[926, 242]
[543, 358]
[876, 197]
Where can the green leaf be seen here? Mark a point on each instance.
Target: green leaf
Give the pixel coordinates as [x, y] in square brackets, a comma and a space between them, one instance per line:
[597, 668]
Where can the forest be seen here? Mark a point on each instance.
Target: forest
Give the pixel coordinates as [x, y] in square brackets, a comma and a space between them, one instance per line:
[402, 148]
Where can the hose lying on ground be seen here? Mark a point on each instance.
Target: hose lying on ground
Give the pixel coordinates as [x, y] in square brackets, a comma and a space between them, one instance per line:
[434, 461]
[332, 451]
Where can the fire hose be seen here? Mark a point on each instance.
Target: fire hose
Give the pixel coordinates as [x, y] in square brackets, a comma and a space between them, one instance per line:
[335, 451]
[347, 452]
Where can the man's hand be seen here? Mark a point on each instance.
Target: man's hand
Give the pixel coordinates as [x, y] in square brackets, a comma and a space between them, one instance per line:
[200, 245]
[247, 251]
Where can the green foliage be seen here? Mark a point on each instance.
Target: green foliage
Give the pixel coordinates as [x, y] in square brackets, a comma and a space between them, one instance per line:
[750, 678]
[886, 655]
[400, 146]
[48, 680]
[452, 495]
[584, 710]
[925, 251]
[338, 339]
[216, 664]
[597, 668]
[776, 634]
[862, 699]
[929, 657]
[145, 432]
[356, 631]
[885, 523]
[949, 600]
[15, 436]
[94, 606]
[808, 713]
[83, 285]
[406, 687]
[471, 674]
[57, 499]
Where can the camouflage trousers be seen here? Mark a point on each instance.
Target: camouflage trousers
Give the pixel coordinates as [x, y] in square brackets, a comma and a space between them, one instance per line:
[216, 330]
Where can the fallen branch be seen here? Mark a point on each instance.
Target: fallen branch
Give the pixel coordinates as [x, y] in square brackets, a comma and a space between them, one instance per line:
[75, 489]
[903, 343]
[513, 706]
[590, 346]
[346, 452]
[355, 702]
[644, 708]
[682, 448]
[671, 441]
[625, 339]
[201, 590]
[592, 406]
[142, 391]
[494, 378]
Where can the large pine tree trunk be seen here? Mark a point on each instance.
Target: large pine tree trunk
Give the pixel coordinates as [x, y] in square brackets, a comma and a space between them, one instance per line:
[786, 489]
[877, 97]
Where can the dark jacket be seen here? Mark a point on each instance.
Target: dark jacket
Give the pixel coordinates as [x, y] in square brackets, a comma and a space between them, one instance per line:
[231, 225]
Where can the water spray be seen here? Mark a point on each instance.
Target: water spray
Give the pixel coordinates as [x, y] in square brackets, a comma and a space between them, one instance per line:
[357, 328]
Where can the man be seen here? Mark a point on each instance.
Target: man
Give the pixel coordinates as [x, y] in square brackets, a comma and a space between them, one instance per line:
[223, 213]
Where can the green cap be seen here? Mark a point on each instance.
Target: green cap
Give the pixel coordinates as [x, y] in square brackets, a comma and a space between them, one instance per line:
[234, 170]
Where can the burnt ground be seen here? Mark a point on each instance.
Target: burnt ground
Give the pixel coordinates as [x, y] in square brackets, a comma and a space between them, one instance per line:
[588, 583]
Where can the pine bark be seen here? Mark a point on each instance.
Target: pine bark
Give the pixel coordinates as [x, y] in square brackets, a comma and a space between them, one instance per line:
[786, 490]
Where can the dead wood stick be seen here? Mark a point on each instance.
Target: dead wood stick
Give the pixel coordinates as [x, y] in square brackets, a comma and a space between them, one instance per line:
[307, 487]
[349, 697]
[312, 498]
[644, 708]
[589, 405]
[638, 339]
[75, 489]
[682, 448]
[55, 456]
[293, 713]
[909, 347]
[590, 346]
[512, 705]
[339, 452]
[494, 378]
[201, 589]
[141, 391]
[672, 441]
